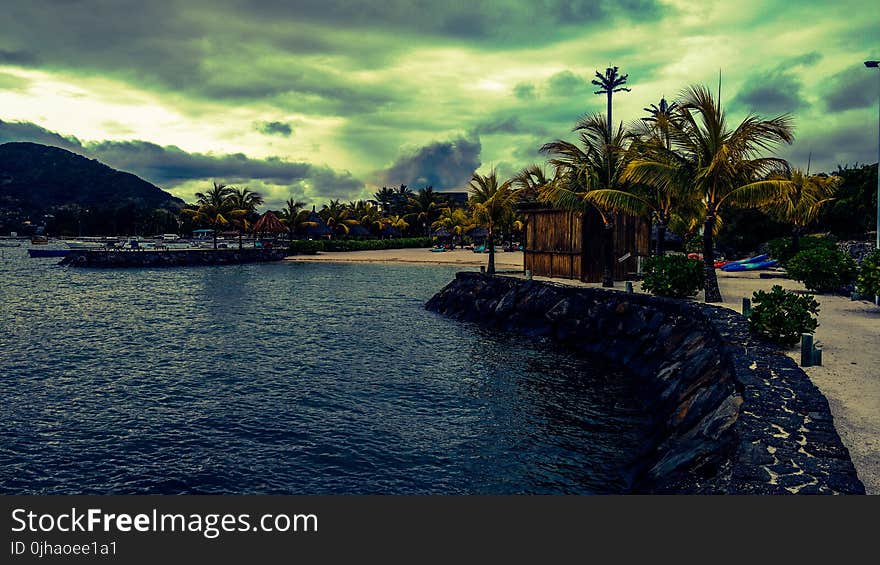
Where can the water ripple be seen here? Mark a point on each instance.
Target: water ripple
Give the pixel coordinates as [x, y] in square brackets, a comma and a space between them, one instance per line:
[288, 378]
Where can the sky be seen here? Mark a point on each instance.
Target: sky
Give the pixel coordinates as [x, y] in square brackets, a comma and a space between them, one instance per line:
[320, 99]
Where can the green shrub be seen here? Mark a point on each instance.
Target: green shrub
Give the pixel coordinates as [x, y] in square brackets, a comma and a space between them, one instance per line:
[822, 269]
[673, 275]
[310, 247]
[868, 283]
[374, 244]
[782, 316]
[306, 246]
[780, 248]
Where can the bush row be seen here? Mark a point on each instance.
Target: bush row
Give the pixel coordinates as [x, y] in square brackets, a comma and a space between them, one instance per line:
[310, 247]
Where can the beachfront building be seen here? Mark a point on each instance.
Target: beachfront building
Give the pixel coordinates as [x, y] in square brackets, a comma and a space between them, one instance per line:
[563, 244]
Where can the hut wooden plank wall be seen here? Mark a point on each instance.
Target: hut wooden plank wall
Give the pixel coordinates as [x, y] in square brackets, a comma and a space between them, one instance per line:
[568, 245]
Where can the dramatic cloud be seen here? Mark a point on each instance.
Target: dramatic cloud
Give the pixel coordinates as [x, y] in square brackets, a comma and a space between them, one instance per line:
[175, 89]
[170, 166]
[442, 164]
[283, 129]
[856, 87]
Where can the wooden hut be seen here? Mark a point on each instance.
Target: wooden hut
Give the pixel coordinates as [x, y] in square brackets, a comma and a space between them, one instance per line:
[568, 245]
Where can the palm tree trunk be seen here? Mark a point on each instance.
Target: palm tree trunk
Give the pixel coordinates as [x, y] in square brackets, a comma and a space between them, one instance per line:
[713, 293]
[609, 114]
[491, 268]
[608, 255]
[239, 240]
[660, 247]
[795, 240]
[214, 233]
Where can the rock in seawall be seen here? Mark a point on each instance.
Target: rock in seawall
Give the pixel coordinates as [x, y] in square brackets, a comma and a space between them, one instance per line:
[731, 414]
[169, 258]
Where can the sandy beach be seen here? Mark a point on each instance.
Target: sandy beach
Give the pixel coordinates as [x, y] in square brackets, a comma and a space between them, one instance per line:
[849, 334]
[511, 260]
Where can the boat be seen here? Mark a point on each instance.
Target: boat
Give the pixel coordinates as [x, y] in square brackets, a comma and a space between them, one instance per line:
[39, 240]
[81, 245]
[735, 267]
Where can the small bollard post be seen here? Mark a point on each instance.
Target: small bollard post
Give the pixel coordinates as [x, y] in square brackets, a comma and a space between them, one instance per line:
[806, 350]
[747, 307]
[528, 275]
[629, 287]
[817, 357]
[483, 269]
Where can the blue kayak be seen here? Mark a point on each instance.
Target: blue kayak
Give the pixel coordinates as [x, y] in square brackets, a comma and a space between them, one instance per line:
[755, 259]
[734, 267]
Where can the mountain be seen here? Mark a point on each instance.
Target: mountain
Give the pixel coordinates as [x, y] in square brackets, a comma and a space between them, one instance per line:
[69, 193]
[34, 176]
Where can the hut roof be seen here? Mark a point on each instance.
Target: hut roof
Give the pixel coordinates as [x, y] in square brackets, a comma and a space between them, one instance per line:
[269, 223]
[315, 226]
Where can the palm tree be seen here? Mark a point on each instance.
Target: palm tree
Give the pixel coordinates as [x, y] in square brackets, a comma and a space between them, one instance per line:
[384, 196]
[336, 216]
[492, 203]
[608, 84]
[394, 222]
[529, 183]
[291, 214]
[369, 216]
[800, 205]
[597, 165]
[662, 199]
[425, 207]
[247, 200]
[400, 200]
[723, 166]
[215, 208]
[454, 220]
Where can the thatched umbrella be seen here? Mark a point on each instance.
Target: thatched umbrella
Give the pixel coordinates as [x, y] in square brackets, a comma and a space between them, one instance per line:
[315, 226]
[269, 223]
[442, 233]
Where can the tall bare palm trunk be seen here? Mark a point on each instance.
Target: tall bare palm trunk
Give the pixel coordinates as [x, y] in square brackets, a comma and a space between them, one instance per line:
[491, 268]
[660, 246]
[608, 255]
[713, 293]
[795, 239]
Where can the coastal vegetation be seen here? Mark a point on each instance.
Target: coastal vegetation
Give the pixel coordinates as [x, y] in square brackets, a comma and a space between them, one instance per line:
[868, 283]
[782, 315]
[675, 276]
[822, 269]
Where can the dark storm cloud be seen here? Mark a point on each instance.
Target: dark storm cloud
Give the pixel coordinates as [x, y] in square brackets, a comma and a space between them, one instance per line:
[8, 57]
[507, 20]
[512, 125]
[241, 50]
[525, 91]
[283, 129]
[855, 87]
[442, 164]
[170, 165]
[778, 90]
[838, 146]
[565, 83]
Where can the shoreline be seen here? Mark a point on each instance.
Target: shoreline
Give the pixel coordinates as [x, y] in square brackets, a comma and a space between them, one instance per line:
[848, 332]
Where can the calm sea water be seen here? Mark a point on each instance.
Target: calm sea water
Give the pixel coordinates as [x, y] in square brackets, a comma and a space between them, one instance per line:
[288, 378]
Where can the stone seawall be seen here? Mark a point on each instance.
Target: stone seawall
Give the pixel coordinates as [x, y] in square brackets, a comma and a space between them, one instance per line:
[170, 257]
[732, 414]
